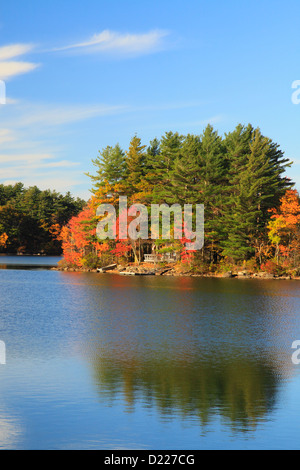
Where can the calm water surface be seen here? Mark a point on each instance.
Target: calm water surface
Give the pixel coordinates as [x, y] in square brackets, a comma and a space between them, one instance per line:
[112, 362]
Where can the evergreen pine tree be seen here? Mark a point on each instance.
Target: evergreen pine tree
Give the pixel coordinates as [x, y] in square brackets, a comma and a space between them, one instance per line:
[111, 167]
[135, 164]
[163, 165]
[255, 184]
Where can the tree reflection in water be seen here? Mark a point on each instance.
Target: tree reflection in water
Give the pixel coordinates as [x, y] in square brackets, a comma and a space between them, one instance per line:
[242, 392]
[200, 349]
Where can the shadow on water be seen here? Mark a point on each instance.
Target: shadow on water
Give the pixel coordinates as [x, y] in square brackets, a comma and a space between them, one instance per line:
[26, 267]
[28, 262]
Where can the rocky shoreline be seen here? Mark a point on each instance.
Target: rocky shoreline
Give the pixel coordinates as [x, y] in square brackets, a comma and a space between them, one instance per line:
[133, 270]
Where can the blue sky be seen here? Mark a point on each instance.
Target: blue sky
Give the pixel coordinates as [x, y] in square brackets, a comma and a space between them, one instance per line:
[83, 75]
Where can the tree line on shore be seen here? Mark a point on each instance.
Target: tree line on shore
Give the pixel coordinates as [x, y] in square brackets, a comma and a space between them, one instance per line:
[252, 212]
[31, 219]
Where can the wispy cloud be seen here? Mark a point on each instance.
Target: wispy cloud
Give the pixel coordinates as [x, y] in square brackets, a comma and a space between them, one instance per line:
[32, 149]
[14, 50]
[6, 136]
[12, 171]
[124, 44]
[52, 115]
[11, 68]
[28, 158]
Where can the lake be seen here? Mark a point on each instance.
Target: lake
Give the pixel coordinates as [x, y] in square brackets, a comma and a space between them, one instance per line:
[101, 361]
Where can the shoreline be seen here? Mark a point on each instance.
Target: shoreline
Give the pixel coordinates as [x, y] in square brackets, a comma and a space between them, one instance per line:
[172, 272]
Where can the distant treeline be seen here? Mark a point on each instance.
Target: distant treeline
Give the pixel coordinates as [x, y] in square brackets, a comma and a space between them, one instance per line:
[31, 219]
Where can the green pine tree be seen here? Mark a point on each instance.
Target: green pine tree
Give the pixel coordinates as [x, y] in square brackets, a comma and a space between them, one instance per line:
[110, 165]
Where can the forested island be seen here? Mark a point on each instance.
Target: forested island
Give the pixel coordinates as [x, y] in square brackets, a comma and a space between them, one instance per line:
[252, 211]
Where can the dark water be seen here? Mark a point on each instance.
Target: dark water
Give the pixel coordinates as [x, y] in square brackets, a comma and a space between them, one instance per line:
[28, 262]
[98, 361]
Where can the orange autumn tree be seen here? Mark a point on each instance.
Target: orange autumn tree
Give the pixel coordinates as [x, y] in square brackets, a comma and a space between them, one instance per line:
[3, 240]
[284, 229]
[79, 237]
[81, 246]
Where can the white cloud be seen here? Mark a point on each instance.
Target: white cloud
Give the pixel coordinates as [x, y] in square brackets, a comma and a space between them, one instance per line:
[6, 135]
[11, 68]
[41, 170]
[32, 143]
[13, 170]
[57, 115]
[58, 182]
[14, 50]
[28, 158]
[120, 43]
[53, 181]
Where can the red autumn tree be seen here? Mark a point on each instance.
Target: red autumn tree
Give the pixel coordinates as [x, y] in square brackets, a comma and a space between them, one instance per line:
[78, 237]
[284, 227]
